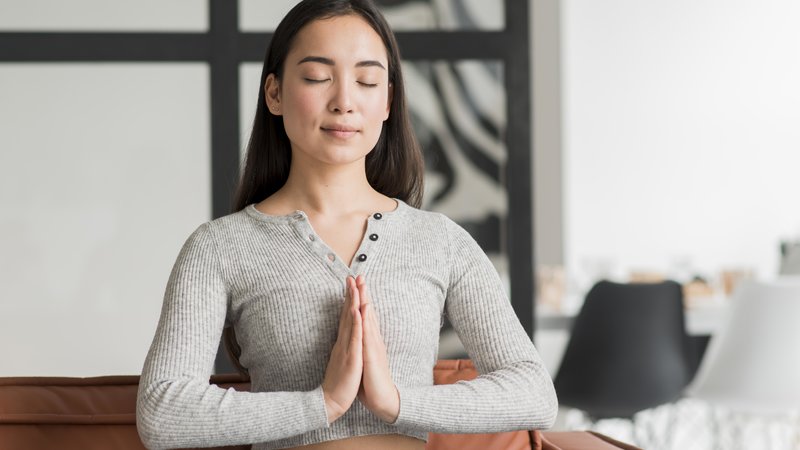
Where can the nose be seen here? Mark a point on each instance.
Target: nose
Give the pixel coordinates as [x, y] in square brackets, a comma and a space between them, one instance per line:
[342, 101]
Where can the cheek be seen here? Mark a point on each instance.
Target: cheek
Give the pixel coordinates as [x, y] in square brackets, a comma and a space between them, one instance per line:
[299, 109]
[377, 109]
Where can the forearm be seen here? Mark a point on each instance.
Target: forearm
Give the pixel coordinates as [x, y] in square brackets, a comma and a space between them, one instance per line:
[192, 413]
[516, 397]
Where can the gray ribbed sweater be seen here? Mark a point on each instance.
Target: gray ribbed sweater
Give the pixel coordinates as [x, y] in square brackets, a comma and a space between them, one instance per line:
[272, 277]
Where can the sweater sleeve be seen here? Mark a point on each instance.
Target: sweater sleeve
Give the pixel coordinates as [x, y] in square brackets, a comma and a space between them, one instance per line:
[176, 405]
[514, 390]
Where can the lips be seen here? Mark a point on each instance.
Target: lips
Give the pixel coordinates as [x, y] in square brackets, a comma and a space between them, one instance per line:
[339, 131]
[344, 128]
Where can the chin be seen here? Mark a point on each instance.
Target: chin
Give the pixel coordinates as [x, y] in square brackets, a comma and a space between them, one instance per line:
[339, 155]
[346, 160]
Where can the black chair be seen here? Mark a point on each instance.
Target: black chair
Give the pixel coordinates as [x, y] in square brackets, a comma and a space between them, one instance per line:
[628, 351]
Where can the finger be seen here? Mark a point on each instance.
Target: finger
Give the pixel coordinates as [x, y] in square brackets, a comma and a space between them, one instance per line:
[350, 304]
[373, 328]
[356, 334]
[345, 321]
[363, 294]
[362, 288]
[345, 317]
[368, 316]
[355, 294]
[368, 310]
[346, 331]
[371, 332]
[350, 290]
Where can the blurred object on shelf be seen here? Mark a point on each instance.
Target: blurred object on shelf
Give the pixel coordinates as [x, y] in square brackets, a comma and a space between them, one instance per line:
[730, 278]
[593, 269]
[696, 291]
[681, 268]
[645, 276]
[790, 258]
[550, 286]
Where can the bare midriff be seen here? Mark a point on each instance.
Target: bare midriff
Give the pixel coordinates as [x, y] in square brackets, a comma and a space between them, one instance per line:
[373, 442]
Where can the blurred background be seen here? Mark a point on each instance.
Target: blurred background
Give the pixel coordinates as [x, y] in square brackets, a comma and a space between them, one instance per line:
[578, 141]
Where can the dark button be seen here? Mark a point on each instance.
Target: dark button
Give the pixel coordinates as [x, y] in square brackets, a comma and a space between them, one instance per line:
[377, 216]
[362, 257]
[373, 237]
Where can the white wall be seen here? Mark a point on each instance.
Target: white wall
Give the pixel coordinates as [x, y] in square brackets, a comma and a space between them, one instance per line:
[104, 172]
[681, 134]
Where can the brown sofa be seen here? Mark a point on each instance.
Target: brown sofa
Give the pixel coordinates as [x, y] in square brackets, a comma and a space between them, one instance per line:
[100, 413]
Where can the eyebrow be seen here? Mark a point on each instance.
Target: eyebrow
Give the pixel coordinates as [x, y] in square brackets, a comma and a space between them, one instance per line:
[329, 62]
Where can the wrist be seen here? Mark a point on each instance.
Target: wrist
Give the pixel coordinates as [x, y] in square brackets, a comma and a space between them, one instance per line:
[390, 414]
[332, 409]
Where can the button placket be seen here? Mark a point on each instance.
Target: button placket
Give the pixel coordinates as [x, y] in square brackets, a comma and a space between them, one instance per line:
[371, 236]
[318, 247]
[305, 231]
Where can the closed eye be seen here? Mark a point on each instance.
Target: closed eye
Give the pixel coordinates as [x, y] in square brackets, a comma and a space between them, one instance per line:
[368, 84]
[313, 80]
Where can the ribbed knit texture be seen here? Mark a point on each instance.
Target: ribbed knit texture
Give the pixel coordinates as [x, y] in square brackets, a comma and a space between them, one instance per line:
[272, 277]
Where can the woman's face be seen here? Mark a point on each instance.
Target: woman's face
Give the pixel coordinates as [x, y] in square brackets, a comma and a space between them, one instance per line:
[334, 94]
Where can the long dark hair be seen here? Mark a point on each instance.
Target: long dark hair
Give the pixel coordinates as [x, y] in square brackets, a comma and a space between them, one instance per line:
[394, 167]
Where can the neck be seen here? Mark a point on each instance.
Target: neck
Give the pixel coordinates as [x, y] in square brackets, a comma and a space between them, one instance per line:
[328, 189]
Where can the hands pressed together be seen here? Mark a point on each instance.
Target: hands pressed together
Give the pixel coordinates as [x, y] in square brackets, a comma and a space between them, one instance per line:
[358, 366]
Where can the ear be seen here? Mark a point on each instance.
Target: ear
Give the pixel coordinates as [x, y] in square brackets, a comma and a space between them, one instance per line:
[272, 94]
[390, 97]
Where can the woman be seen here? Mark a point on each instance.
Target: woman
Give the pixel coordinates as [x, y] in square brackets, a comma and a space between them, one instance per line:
[333, 280]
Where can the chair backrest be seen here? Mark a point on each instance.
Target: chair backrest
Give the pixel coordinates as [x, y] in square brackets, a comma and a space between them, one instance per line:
[628, 350]
[753, 362]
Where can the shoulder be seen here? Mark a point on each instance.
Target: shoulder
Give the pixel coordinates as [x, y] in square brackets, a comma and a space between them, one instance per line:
[421, 221]
[229, 220]
[238, 225]
[436, 224]
[219, 232]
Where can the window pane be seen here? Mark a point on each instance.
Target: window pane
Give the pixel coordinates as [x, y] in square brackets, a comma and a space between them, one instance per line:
[103, 15]
[104, 172]
[260, 15]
